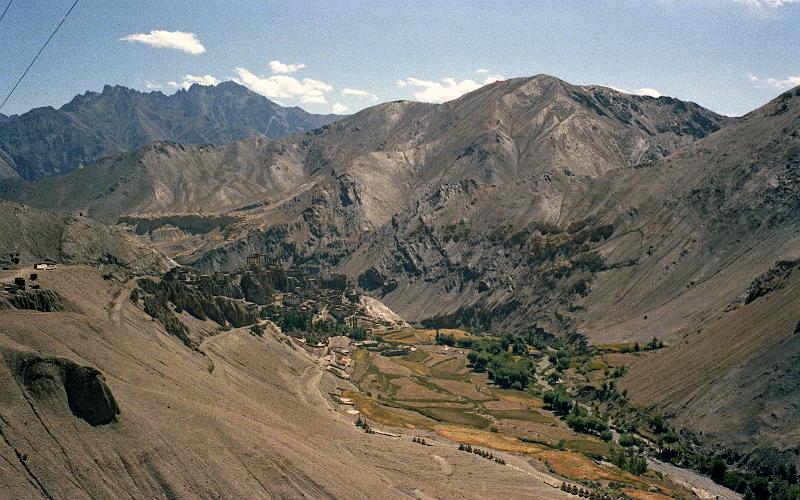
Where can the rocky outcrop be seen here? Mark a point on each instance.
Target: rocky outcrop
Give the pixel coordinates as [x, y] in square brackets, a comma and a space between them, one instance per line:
[82, 387]
[37, 300]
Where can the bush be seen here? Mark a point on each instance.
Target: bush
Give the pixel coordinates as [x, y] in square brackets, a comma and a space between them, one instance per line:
[479, 360]
[445, 339]
[718, 470]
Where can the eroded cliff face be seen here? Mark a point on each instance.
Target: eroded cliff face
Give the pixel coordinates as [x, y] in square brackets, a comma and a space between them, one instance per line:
[52, 383]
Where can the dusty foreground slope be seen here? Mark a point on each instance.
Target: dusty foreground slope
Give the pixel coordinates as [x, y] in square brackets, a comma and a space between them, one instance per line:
[245, 417]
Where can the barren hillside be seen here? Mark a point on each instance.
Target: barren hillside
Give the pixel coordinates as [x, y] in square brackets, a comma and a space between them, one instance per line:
[244, 416]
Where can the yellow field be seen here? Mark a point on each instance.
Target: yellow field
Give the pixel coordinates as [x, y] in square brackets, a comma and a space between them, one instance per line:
[575, 465]
[518, 397]
[424, 336]
[381, 414]
[433, 389]
[477, 437]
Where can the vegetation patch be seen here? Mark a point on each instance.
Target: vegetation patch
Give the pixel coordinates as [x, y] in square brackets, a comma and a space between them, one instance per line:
[455, 416]
[382, 414]
[524, 415]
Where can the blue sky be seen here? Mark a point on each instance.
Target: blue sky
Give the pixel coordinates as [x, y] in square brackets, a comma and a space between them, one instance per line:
[728, 55]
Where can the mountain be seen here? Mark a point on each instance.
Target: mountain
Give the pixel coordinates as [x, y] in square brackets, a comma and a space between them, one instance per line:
[533, 140]
[721, 224]
[47, 142]
[518, 129]
[591, 213]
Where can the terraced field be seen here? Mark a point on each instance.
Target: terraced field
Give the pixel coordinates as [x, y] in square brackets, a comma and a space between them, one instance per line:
[433, 391]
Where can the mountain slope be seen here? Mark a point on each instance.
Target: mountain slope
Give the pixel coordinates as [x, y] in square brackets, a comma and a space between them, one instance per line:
[720, 226]
[244, 416]
[28, 235]
[506, 132]
[45, 142]
[587, 211]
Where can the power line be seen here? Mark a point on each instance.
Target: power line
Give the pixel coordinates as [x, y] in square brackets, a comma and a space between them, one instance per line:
[6, 9]
[38, 53]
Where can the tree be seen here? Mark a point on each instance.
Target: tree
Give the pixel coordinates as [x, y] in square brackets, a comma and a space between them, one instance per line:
[718, 469]
[479, 360]
[508, 373]
[559, 401]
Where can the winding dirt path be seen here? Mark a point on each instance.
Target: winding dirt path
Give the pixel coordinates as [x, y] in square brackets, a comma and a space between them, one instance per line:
[119, 299]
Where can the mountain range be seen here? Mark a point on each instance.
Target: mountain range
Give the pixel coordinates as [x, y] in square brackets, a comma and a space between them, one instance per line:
[46, 142]
[591, 213]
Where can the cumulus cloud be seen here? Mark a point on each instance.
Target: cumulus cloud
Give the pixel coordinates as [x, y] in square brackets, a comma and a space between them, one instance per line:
[445, 90]
[179, 40]
[279, 87]
[646, 91]
[151, 85]
[363, 94]
[338, 108]
[188, 80]
[776, 83]
[280, 68]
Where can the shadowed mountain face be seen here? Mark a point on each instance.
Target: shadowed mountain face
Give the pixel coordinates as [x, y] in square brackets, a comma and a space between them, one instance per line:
[46, 142]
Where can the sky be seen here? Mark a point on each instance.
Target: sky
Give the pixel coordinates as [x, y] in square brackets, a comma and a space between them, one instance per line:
[728, 55]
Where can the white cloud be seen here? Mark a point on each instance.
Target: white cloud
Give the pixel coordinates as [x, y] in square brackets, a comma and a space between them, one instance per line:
[445, 90]
[755, 4]
[338, 108]
[306, 90]
[776, 83]
[179, 40]
[188, 80]
[482, 71]
[359, 93]
[151, 85]
[646, 91]
[280, 68]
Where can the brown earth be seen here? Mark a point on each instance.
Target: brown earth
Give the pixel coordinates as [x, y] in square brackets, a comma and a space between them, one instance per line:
[245, 417]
